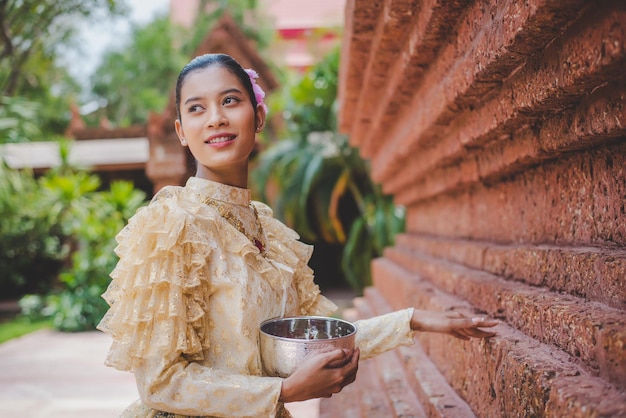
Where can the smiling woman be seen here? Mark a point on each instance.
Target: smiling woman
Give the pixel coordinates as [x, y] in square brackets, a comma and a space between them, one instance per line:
[202, 266]
[218, 119]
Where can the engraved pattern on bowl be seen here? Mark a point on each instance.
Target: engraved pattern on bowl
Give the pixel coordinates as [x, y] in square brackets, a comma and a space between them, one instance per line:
[286, 342]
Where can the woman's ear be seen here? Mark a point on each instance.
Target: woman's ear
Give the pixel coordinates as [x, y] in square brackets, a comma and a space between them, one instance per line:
[180, 133]
[260, 117]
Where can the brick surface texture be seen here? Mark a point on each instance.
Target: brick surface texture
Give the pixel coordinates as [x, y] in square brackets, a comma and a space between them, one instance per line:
[501, 127]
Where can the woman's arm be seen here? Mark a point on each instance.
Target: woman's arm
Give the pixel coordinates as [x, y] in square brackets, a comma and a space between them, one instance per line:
[453, 323]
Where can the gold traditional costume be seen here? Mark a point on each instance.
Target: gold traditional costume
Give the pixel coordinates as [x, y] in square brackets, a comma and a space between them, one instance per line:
[190, 291]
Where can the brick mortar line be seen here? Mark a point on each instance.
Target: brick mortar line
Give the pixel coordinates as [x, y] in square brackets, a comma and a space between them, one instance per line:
[541, 83]
[385, 39]
[574, 201]
[374, 401]
[544, 376]
[459, 167]
[345, 113]
[539, 313]
[515, 264]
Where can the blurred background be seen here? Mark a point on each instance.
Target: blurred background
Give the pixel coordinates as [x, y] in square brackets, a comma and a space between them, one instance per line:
[86, 138]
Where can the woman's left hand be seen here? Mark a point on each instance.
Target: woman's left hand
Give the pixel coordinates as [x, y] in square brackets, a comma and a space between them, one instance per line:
[453, 323]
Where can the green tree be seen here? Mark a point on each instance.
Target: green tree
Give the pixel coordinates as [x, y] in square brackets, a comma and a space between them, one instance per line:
[136, 78]
[91, 219]
[32, 32]
[324, 190]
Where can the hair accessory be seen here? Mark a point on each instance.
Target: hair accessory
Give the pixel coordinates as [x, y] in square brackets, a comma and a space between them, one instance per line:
[259, 94]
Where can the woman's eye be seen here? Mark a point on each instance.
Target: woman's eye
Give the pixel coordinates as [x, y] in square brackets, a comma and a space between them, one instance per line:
[194, 108]
[231, 100]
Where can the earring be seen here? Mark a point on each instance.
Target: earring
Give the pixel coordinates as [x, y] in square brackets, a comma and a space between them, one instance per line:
[258, 129]
[183, 141]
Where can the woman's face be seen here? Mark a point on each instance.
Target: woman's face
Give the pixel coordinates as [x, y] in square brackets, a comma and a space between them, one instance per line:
[217, 123]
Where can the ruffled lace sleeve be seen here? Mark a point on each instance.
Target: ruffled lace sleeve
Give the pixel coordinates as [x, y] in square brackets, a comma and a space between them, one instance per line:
[286, 247]
[159, 286]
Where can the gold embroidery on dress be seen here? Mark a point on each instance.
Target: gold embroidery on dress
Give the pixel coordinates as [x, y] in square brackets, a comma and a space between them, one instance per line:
[226, 213]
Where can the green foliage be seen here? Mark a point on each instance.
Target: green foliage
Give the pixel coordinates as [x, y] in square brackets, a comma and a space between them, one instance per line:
[30, 240]
[33, 33]
[17, 120]
[63, 217]
[91, 219]
[136, 78]
[323, 187]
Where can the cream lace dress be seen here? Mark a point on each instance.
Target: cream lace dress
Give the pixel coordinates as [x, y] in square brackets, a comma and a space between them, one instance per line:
[190, 291]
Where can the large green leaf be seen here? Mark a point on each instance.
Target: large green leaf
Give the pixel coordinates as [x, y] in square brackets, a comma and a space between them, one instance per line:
[324, 187]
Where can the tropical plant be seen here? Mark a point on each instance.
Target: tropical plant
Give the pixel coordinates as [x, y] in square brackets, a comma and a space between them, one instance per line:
[62, 217]
[92, 220]
[317, 182]
[30, 240]
[17, 120]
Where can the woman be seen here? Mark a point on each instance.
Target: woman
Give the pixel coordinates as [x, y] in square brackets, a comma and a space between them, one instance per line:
[202, 266]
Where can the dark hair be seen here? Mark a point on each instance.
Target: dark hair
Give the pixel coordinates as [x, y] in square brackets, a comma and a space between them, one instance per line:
[207, 60]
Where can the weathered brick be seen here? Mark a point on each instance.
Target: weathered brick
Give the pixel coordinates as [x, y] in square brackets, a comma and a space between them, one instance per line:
[427, 117]
[360, 24]
[551, 203]
[495, 39]
[595, 274]
[435, 394]
[511, 374]
[388, 39]
[523, 102]
[566, 322]
[501, 126]
[430, 25]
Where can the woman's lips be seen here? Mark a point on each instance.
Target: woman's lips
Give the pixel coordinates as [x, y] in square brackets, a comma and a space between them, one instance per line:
[220, 140]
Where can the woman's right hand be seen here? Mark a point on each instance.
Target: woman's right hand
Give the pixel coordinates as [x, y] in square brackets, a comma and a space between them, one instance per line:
[318, 378]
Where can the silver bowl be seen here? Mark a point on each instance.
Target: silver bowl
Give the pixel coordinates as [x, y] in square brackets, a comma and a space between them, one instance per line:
[286, 342]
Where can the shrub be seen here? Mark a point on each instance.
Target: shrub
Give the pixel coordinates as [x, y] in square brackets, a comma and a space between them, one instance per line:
[91, 220]
[30, 239]
[61, 218]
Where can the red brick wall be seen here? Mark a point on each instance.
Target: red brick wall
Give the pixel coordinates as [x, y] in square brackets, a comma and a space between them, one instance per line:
[501, 126]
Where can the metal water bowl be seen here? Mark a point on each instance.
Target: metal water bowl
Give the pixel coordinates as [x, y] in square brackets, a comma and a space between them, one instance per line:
[287, 342]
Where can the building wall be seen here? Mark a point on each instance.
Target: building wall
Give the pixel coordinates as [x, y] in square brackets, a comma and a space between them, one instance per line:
[501, 127]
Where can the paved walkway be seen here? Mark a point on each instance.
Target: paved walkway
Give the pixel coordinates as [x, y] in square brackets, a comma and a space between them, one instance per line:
[49, 374]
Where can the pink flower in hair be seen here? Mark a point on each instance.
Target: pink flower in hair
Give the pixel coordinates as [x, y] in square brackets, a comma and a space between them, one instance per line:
[259, 94]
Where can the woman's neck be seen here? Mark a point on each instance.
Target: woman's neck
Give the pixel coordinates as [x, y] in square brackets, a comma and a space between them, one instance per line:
[236, 178]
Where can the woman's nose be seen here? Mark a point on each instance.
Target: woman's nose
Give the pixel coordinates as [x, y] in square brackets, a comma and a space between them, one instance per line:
[216, 117]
